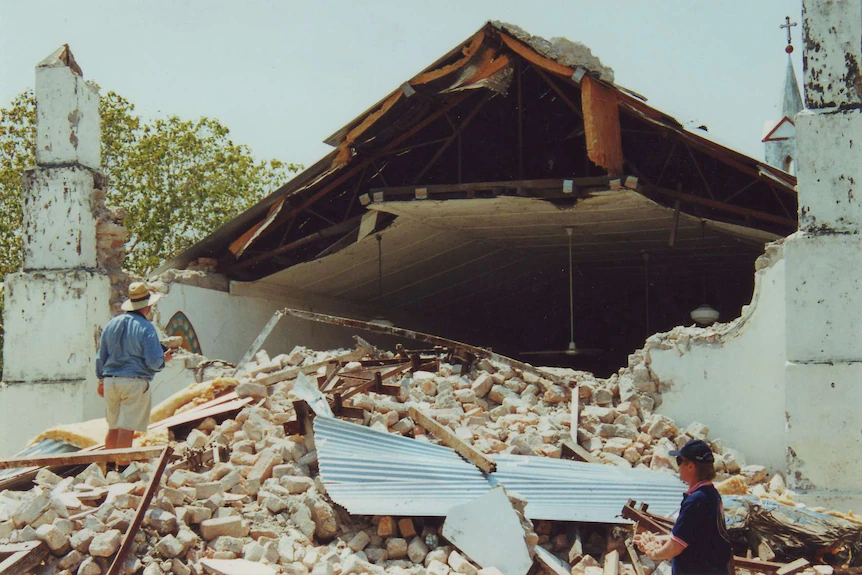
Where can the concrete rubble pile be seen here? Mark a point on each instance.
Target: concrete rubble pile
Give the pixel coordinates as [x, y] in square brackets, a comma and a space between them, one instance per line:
[268, 504]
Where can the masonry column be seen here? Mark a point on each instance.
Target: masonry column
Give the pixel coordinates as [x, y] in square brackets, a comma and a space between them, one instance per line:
[55, 307]
[824, 263]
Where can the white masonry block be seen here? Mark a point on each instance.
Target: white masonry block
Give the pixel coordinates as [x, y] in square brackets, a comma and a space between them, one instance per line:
[832, 61]
[824, 430]
[830, 170]
[824, 283]
[59, 226]
[53, 321]
[67, 114]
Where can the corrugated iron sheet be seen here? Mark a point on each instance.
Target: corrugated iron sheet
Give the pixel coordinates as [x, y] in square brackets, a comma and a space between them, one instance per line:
[370, 472]
[565, 490]
[40, 449]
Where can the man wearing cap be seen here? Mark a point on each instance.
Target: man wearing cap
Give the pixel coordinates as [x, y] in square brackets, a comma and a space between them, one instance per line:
[130, 354]
[698, 544]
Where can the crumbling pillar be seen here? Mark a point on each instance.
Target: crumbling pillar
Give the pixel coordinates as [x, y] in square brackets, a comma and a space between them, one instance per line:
[824, 262]
[57, 304]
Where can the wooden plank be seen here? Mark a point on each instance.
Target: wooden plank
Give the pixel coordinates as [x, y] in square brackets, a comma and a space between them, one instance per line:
[635, 559]
[449, 438]
[555, 184]
[574, 450]
[293, 372]
[721, 206]
[129, 539]
[25, 559]
[457, 346]
[122, 456]
[756, 565]
[793, 567]
[196, 415]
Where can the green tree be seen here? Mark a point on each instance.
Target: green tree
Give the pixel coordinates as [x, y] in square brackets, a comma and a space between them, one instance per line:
[178, 180]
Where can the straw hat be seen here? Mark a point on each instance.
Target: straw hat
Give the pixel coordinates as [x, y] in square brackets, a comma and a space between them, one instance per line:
[139, 297]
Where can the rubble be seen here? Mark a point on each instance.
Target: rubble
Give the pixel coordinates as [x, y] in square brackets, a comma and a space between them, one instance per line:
[264, 509]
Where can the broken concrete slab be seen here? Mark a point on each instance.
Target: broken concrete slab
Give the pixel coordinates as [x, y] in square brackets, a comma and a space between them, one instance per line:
[489, 532]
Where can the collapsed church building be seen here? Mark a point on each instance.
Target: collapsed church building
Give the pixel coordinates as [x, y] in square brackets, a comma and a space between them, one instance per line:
[510, 196]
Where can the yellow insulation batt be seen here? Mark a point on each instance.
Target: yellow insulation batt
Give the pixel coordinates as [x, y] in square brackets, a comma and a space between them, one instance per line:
[735, 485]
[89, 433]
[191, 397]
[81, 435]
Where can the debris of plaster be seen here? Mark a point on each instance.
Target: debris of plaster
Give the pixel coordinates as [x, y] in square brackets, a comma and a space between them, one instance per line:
[490, 533]
[562, 50]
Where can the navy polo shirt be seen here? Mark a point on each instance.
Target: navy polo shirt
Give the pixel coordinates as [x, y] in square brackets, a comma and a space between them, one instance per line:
[701, 530]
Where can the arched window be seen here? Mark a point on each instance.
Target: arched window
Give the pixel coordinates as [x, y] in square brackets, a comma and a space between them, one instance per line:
[787, 165]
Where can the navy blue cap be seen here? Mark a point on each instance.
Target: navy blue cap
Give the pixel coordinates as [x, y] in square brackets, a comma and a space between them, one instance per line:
[695, 450]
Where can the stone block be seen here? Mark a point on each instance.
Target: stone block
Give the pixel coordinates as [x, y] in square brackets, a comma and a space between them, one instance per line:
[57, 541]
[824, 280]
[169, 547]
[460, 565]
[359, 541]
[162, 521]
[230, 526]
[67, 117]
[105, 544]
[830, 171]
[396, 548]
[832, 36]
[252, 389]
[89, 567]
[387, 527]
[823, 426]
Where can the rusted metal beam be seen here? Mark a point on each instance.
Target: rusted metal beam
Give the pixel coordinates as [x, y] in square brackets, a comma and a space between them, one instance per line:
[419, 336]
[129, 539]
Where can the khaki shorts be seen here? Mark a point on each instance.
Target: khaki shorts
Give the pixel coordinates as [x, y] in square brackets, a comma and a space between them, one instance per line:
[127, 403]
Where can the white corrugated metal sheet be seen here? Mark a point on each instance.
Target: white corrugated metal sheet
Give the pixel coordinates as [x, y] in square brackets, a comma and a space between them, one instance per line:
[564, 490]
[370, 472]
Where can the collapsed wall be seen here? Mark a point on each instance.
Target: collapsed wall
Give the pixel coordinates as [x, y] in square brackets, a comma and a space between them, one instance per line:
[731, 375]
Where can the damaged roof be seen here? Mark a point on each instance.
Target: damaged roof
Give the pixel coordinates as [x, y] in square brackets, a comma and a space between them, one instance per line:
[454, 88]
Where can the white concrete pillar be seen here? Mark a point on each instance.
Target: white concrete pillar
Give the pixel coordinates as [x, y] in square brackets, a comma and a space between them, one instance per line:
[824, 262]
[56, 306]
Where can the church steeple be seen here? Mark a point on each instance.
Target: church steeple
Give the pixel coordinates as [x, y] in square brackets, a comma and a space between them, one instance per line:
[780, 140]
[791, 103]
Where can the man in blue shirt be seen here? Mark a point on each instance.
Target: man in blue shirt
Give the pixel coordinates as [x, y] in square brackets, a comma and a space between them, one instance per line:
[698, 543]
[130, 354]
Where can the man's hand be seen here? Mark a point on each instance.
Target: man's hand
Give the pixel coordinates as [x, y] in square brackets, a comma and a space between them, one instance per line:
[169, 355]
[101, 389]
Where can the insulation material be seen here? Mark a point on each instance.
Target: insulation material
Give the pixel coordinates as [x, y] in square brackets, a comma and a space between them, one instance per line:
[602, 125]
[81, 435]
[191, 397]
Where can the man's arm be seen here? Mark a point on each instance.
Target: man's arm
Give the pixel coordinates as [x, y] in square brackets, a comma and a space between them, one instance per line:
[153, 355]
[101, 357]
[671, 548]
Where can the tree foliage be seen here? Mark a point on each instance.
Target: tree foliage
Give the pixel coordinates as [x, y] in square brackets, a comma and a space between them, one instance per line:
[177, 179]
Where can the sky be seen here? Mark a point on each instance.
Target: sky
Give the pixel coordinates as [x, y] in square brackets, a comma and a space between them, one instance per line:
[284, 75]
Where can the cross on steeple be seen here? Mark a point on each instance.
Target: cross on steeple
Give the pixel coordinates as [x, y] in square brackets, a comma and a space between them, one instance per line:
[788, 24]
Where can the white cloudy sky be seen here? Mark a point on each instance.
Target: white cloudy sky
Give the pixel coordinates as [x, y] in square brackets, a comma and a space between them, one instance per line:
[283, 75]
